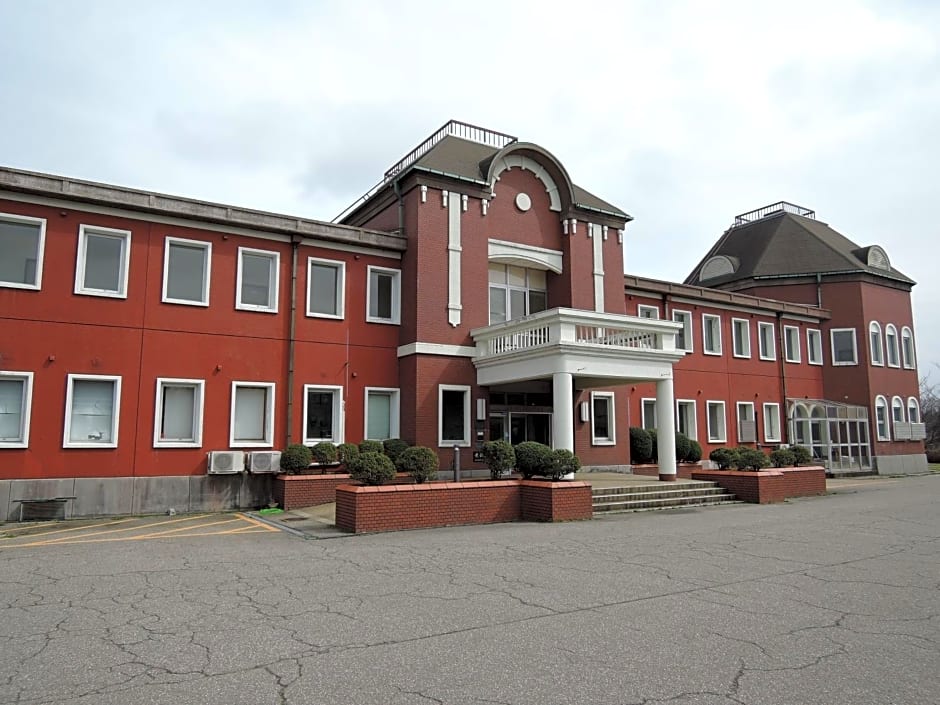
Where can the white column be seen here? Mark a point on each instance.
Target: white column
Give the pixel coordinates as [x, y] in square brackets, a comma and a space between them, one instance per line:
[666, 429]
[563, 416]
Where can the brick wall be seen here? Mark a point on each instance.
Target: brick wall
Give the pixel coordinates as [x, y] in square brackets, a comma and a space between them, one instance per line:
[683, 470]
[295, 491]
[769, 485]
[556, 501]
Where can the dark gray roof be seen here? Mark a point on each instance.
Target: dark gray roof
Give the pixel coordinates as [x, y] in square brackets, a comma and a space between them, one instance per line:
[785, 244]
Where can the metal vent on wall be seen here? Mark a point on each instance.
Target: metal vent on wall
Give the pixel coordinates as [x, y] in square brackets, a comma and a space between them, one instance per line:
[266, 461]
[226, 462]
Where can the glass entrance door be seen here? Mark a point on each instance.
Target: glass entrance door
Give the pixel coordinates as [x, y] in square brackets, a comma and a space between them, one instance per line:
[530, 427]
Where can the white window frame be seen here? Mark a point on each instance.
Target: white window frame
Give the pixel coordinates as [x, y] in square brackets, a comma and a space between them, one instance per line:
[168, 242]
[687, 331]
[737, 410]
[912, 403]
[876, 348]
[693, 426]
[40, 250]
[772, 410]
[897, 403]
[268, 441]
[81, 261]
[891, 332]
[814, 353]
[611, 416]
[643, 402]
[394, 427]
[882, 403]
[340, 266]
[909, 361]
[735, 325]
[762, 353]
[465, 442]
[714, 437]
[706, 317]
[787, 356]
[115, 410]
[25, 407]
[273, 281]
[396, 295]
[643, 311]
[199, 398]
[832, 346]
[339, 413]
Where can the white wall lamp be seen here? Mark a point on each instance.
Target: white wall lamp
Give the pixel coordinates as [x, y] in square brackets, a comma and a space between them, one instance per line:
[584, 411]
[481, 409]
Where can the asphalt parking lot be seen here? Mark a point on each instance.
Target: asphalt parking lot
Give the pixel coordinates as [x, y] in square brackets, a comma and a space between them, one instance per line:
[826, 600]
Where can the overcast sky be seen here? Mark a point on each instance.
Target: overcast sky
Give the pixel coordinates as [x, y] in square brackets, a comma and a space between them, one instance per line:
[684, 114]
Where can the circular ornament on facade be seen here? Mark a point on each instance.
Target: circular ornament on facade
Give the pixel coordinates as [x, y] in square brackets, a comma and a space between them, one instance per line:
[523, 202]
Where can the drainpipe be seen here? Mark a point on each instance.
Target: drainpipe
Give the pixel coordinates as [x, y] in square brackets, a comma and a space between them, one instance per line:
[818, 290]
[781, 356]
[396, 185]
[295, 244]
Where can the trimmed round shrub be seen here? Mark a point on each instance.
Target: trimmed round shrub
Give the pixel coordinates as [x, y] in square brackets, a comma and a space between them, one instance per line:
[295, 457]
[371, 447]
[499, 457]
[371, 468]
[419, 462]
[394, 447]
[801, 455]
[751, 459]
[695, 452]
[782, 458]
[345, 452]
[724, 457]
[641, 446]
[683, 445]
[533, 459]
[563, 462]
[324, 453]
[654, 448]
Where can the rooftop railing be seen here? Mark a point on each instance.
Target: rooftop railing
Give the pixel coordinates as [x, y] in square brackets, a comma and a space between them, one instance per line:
[780, 206]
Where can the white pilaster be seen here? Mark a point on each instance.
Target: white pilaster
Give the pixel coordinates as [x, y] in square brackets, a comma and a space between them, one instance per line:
[454, 211]
[563, 416]
[666, 429]
[595, 232]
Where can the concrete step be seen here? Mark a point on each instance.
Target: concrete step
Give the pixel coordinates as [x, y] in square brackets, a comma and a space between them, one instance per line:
[668, 503]
[653, 488]
[837, 473]
[626, 494]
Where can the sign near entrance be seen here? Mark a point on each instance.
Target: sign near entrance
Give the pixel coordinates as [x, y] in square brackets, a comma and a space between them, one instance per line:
[478, 456]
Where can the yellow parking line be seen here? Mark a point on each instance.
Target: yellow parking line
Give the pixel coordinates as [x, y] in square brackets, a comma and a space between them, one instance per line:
[60, 531]
[182, 528]
[134, 528]
[254, 521]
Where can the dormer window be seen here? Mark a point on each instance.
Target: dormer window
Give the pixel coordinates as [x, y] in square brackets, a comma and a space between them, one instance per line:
[718, 266]
[878, 258]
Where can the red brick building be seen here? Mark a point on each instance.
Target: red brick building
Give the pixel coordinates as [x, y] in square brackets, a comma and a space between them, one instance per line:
[474, 293]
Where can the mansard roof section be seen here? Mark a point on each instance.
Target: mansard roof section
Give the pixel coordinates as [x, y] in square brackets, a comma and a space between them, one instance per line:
[61, 188]
[783, 243]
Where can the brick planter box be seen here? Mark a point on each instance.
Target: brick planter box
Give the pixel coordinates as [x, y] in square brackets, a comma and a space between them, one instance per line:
[683, 470]
[362, 509]
[295, 491]
[768, 486]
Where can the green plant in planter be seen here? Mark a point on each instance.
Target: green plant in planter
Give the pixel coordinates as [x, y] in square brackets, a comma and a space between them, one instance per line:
[683, 445]
[371, 468]
[695, 452]
[371, 447]
[641, 445]
[724, 457]
[782, 458]
[750, 459]
[295, 457]
[346, 452]
[563, 462]
[394, 447]
[419, 462]
[801, 455]
[324, 453]
[533, 459]
[500, 458]
[654, 445]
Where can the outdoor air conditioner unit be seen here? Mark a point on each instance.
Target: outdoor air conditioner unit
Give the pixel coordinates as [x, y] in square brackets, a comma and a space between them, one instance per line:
[264, 461]
[226, 462]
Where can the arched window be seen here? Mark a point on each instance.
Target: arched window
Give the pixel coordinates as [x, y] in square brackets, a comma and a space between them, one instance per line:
[881, 418]
[907, 348]
[891, 342]
[875, 343]
[897, 410]
[913, 410]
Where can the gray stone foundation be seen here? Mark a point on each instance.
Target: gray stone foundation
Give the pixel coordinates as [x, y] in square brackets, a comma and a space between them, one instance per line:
[901, 464]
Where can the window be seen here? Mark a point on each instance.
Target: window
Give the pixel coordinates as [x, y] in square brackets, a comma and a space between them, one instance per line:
[384, 295]
[711, 334]
[648, 413]
[16, 394]
[741, 337]
[644, 311]
[516, 292]
[381, 413]
[907, 348]
[767, 345]
[716, 421]
[897, 410]
[92, 410]
[772, 423]
[252, 423]
[791, 343]
[22, 243]
[881, 418]
[186, 269]
[875, 344]
[178, 413]
[326, 288]
[891, 343]
[844, 351]
[103, 261]
[747, 427]
[257, 279]
[913, 410]
[814, 346]
[453, 410]
[685, 418]
[323, 414]
[684, 336]
[602, 419]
